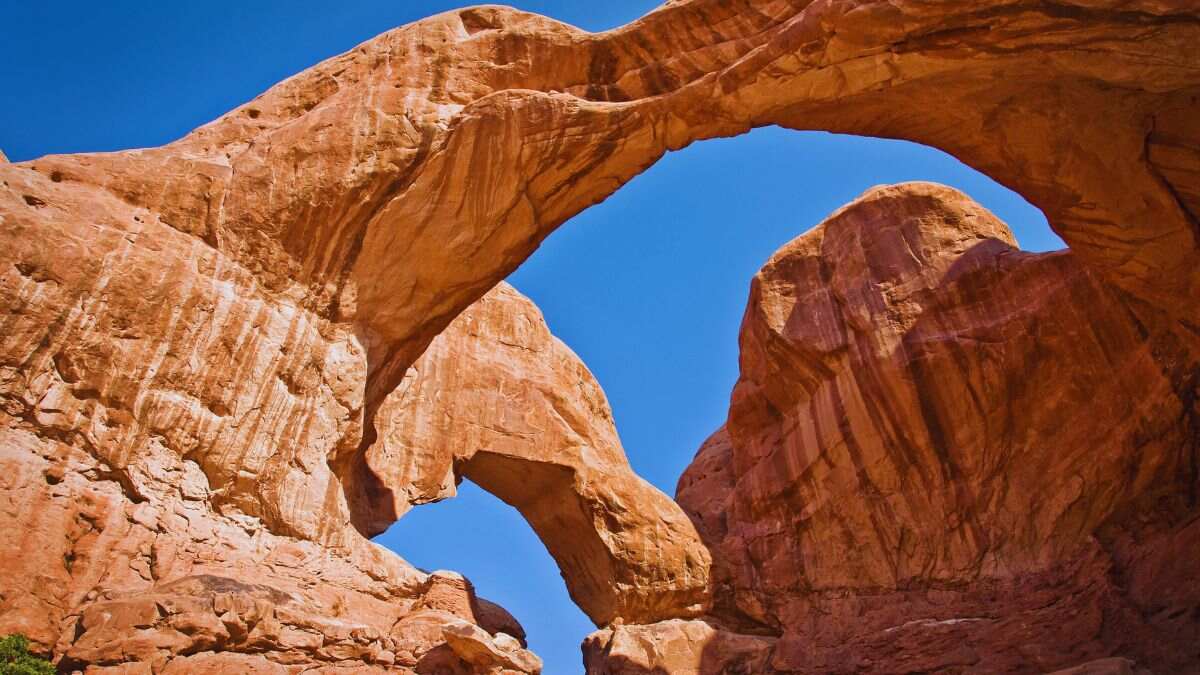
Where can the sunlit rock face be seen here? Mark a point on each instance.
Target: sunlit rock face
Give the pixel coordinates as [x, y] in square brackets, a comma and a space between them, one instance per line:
[165, 480]
[944, 453]
[498, 399]
[199, 340]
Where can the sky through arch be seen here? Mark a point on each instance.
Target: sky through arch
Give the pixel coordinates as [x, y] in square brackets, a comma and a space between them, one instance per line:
[648, 288]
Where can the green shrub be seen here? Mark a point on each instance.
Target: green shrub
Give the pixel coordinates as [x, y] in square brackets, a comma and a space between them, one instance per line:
[15, 658]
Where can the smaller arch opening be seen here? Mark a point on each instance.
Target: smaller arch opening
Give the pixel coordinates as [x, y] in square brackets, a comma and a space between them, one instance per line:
[491, 544]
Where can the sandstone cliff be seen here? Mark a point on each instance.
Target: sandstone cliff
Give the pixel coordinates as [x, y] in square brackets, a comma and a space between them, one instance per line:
[200, 340]
[944, 454]
[146, 561]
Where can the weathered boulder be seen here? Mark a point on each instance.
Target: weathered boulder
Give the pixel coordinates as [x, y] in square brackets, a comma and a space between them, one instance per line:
[501, 652]
[676, 647]
[944, 453]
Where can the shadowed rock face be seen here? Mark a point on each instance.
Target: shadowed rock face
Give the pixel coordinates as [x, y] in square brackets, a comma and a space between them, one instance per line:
[208, 330]
[944, 453]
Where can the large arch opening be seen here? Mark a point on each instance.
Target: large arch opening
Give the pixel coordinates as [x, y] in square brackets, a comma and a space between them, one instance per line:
[677, 246]
[648, 288]
[487, 541]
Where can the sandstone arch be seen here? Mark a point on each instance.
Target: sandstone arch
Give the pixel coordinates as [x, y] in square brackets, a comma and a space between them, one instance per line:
[220, 319]
[344, 186]
[499, 400]
[556, 119]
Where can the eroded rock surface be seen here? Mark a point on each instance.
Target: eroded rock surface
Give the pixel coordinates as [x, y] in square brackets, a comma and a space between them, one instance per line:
[165, 583]
[498, 399]
[676, 647]
[945, 454]
[212, 326]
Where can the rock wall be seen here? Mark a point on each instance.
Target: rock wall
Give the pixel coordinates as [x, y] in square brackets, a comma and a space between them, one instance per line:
[212, 328]
[945, 454]
[126, 555]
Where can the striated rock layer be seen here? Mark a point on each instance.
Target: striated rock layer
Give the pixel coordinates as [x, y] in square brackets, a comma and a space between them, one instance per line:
[212, 329]
[945, 454]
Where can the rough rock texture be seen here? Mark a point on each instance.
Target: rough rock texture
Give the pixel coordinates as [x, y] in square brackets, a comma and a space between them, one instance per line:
[945, 454]
[498, 399]
[104, 579]
[212, 326]
[1113, 666]
[145, 563]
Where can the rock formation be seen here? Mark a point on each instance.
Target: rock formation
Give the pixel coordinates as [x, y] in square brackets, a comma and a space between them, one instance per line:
[152, 563]
[943, 454]
[200, 340]
[498, 399]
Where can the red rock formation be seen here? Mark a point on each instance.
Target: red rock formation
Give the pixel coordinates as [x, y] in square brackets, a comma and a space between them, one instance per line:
[675, 647]
[212, 326]
[498, 399]
[169, 583]
[154, 559]
[943, 453]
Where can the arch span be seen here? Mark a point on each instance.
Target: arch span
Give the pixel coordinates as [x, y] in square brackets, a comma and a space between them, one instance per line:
[402, 180]
[344, 218]
[499, 400]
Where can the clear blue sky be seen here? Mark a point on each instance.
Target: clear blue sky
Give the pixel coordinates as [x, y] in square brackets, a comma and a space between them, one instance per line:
[648, 287]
